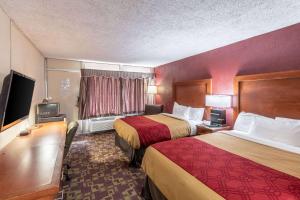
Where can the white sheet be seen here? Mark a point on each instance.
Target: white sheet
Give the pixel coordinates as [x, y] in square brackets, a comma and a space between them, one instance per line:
[267, 142]
[191, 122]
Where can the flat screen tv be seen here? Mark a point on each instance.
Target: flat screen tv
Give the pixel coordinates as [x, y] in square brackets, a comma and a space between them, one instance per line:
[16, 96]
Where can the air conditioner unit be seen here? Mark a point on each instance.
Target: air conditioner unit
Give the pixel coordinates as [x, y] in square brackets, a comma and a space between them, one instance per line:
[102, 124]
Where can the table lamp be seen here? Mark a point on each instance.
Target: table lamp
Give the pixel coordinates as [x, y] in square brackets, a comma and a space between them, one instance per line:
[219, 103]
[152, 89]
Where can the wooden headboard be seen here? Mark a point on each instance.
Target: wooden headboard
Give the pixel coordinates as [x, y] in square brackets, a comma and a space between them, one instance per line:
[270, 94]
[192, 93]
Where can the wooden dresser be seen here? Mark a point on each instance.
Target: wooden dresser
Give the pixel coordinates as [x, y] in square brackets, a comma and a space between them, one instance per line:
[30, 166]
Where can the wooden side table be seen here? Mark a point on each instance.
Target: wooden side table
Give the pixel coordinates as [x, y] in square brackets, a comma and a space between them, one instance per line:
[203, 129]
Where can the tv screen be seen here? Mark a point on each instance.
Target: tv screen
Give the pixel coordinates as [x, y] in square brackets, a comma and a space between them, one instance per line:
[16, 95]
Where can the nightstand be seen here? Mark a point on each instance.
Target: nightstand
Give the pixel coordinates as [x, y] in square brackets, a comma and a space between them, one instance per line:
[203, 129]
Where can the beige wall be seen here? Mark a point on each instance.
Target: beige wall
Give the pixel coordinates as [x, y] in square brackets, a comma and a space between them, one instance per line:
[4, 45]
[57, 78]
[18, 53]
[59, 64]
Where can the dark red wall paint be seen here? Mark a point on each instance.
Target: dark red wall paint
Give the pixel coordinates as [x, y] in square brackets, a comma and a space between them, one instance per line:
[275, 51]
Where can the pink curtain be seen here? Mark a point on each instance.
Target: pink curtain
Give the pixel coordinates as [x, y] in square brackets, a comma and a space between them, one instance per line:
[102, 96]
[133, 95]
[99, 96]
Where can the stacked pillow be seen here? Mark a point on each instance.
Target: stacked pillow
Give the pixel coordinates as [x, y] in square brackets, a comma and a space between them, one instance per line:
[188, 113]
[196, 114]
[181, 111]
[281, 130]
[245, 120]
[290, 131]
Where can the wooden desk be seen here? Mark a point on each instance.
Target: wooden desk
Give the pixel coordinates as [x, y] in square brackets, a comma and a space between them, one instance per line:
[30, 166]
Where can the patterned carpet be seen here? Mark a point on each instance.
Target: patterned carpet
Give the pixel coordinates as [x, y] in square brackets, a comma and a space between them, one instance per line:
[99, 170]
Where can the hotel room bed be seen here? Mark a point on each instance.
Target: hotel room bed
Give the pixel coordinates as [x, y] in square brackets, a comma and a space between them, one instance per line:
[134, 134]
[220, 166]
[261, 162]
[162, 127]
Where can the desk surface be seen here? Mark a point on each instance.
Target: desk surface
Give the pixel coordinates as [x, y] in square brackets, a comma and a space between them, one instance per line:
[30, 166]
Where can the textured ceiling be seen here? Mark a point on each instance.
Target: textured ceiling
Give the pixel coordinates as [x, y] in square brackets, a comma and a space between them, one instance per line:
[145, 32]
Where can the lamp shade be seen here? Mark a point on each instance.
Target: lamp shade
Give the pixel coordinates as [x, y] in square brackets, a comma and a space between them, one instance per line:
[152, 89]
[218, 101]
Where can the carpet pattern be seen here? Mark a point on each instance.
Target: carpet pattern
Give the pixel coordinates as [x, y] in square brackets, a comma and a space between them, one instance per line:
[99, 170]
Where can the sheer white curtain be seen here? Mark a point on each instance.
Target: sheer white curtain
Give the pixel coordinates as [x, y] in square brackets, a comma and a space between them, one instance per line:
[149, 98]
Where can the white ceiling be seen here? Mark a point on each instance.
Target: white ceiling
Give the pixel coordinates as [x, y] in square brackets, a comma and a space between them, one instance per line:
[144, 32]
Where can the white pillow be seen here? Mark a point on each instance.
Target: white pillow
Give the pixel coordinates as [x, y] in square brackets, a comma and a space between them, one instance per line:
[244, 121]
[288, 120]
[181, 111]
[276, 130]
[196, 114]
[290, 131]
[289, 136]
[266, 128]
[175, 107]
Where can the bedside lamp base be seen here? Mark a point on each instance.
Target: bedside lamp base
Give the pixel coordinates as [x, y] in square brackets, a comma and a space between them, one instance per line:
[217, 117]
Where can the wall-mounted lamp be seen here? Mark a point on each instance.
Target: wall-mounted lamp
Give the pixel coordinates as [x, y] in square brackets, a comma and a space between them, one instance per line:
[220, 102]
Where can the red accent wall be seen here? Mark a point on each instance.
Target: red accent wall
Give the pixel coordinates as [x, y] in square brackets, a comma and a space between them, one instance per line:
[275, 51]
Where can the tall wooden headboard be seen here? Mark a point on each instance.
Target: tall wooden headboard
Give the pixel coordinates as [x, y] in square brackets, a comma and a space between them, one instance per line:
[192, 93]
[270, 94]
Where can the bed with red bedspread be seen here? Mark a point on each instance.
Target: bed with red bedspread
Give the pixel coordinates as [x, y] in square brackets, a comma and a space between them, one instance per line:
[221, 166]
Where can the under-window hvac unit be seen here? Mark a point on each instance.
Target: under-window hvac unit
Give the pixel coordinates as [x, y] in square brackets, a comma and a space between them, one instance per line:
[102, 124]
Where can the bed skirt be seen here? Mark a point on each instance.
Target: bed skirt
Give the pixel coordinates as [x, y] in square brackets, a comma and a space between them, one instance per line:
[151, 192]
[135, 156]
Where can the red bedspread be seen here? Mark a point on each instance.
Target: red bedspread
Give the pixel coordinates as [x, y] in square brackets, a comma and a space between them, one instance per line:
[149, 131]
[230, 175]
